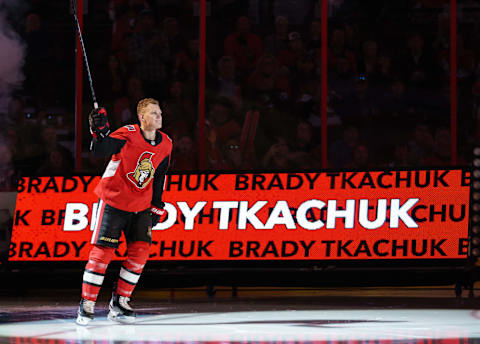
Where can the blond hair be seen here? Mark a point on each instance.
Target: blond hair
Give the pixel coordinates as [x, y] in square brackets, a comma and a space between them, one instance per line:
[142, 104]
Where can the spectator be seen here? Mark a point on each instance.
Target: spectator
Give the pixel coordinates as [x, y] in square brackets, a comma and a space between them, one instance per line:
[266, 84]
[16, 146]
[384, 75]
[338, 50]
[54, 155]
[226, 83]
[56, 164]
[117, 73]
[185, 157]
[342, 78]
[123, 17]
[234, 159]
[175, 126]
[397, 85]
[150, 55]
[124, 107]
[304, 79]
[360, 158]
[316, 158]
[301, 160]
[214, 156]
[112, 83]
[421, 144]
[27, 131]
[314, 38]
[368, 62]
[277, 41]
[341, 151]
[419, 66]
[15, 111]
[186, 63]
[181, 107]
[441, 154]
[176, 42]
[308, 106]
[303, 145]
[296, 50]
[429, 3]
[8, 174]
[37, 57]
[441, 43]
[396, 103]
[360, 104]
[304, 141]
[352, 36]
[278, 156]
[245, 47]
[466, 61]
[221, 120]
[124, 52]
[233, 155]
[400, 155]
[298, 11]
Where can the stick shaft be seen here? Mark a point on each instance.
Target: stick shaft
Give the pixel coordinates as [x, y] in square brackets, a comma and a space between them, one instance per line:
[80, 37]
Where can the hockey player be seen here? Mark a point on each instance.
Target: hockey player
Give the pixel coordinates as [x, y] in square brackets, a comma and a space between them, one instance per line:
[130, 193]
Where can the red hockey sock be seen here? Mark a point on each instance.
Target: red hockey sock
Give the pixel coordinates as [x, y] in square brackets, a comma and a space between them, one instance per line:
[131, 269]
[100, 257]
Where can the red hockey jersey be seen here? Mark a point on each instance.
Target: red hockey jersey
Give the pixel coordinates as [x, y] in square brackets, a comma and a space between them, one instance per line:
[127, 183]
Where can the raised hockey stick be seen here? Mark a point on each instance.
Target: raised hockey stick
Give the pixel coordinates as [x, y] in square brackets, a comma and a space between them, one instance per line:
[79, 31]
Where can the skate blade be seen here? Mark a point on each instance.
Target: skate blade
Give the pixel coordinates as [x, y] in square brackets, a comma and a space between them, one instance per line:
[120, 318]
[82, 321]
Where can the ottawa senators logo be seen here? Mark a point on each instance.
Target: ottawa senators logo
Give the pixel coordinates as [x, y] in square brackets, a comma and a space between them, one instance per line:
[144, 171]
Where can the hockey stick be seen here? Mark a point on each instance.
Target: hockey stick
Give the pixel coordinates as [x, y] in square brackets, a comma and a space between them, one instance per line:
[79, 31]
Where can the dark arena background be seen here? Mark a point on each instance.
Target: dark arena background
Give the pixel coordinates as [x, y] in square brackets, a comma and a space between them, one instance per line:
[324, 183]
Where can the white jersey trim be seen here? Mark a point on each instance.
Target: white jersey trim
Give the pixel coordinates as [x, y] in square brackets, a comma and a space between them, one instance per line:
[111, 168]
[96, 225]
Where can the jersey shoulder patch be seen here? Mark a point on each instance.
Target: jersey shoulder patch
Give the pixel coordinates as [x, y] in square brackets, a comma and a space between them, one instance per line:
[130, 127]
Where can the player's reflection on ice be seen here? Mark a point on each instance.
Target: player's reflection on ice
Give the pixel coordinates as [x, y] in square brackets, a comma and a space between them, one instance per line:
[85, 334]
[21, 340]
[291, 326]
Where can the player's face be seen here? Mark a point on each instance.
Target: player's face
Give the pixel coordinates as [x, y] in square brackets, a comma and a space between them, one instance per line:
[151, 117]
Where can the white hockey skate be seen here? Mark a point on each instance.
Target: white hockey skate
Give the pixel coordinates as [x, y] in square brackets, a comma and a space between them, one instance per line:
[120, 310]
[85, 312]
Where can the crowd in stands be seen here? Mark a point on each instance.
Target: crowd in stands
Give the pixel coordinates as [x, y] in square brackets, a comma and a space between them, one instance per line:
[388, 83]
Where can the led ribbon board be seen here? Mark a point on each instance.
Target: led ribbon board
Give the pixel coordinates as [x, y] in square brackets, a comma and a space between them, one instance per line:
[420, 214]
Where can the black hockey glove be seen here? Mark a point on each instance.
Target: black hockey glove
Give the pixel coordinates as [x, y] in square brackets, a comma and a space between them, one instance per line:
[98, 121]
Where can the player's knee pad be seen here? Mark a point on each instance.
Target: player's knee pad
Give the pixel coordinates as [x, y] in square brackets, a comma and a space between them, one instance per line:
[101, 254]
[138, 251]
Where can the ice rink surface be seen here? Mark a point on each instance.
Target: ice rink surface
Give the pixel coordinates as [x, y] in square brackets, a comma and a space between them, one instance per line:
[352, 318]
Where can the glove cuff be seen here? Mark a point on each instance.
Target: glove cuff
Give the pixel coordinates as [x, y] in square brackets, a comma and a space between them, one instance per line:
[156, 210]
[94, 134]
